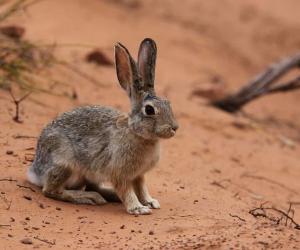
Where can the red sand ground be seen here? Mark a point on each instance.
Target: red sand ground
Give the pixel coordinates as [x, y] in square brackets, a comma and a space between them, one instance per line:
[255, 160]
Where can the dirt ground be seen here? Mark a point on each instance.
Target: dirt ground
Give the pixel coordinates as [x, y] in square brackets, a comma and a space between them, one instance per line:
[212, 173]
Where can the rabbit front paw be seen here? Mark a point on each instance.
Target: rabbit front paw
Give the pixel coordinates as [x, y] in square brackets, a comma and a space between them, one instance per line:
[140, 210]
[153, 203]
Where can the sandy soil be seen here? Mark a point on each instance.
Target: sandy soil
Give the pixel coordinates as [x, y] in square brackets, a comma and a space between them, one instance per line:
[218, 166]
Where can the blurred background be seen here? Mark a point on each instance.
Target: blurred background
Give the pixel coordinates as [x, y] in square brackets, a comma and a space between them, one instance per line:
[60, 52]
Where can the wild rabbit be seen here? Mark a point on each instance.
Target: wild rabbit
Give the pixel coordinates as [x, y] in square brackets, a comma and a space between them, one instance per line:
[97, 144]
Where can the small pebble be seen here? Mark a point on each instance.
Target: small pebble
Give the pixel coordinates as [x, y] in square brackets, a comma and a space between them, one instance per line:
[26, 241]
[9, 152]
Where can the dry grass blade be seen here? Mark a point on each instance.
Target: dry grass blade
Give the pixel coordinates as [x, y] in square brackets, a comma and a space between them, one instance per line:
[17, 5]
[18, 56]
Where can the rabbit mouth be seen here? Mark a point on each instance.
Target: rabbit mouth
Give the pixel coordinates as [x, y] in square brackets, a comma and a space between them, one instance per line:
[166, 133]
[163, 132]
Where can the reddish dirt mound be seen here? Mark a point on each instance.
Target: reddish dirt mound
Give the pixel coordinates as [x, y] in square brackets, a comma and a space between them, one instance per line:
[212, 173]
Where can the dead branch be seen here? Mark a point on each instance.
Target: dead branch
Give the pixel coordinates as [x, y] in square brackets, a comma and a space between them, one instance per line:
[290, 85]
[263, 212]
[236, 216]
[16, 118]
[261, 85]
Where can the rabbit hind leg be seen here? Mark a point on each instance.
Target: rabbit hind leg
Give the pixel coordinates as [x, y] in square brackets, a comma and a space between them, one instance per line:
[108, 193]
[54, 187]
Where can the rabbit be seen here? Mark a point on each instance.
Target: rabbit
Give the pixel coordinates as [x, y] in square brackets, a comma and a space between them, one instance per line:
[95, 144]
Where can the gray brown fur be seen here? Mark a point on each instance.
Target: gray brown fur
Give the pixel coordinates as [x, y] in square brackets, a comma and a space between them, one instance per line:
[94, 144]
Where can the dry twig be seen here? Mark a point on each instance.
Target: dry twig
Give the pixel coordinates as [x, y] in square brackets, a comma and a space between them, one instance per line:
[45, 240]
[16, 118]
[263, 212]
[236, 216]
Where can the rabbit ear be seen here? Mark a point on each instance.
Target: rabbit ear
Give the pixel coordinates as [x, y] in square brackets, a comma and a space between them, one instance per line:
[146, 63]
[127, 71]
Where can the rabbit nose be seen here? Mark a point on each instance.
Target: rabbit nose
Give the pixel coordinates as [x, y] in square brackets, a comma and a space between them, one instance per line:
[175, 127]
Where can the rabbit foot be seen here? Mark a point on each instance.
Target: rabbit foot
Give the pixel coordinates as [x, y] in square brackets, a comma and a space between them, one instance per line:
[84, 201]
[92, 200]
[77, 196]
[83, 197]
[141, 210]
[153, 203]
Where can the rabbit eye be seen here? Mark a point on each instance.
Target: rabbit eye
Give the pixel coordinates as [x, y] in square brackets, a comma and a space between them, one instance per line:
[149, 110]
